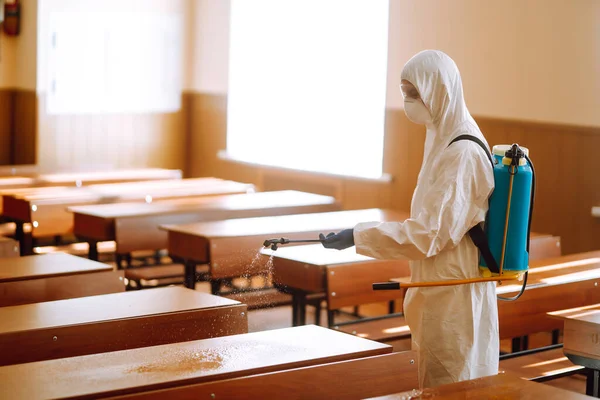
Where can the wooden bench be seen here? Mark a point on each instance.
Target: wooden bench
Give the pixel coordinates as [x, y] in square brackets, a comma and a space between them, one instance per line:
[231, 247]
[8, 247]
[501, 386]
[354, 379]
[45, 209]
[111, 322]
[179, 364]
[134, 227]
[34, 279]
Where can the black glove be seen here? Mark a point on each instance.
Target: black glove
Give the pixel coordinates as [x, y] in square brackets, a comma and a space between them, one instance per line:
[340, 241]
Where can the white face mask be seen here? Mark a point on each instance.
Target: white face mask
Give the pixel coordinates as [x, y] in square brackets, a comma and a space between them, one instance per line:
[416, 111]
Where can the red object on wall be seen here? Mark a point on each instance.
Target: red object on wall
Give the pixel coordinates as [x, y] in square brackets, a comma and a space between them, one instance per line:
[12, 17]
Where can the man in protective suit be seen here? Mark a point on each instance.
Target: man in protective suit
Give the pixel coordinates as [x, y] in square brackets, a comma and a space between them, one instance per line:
[454, 328]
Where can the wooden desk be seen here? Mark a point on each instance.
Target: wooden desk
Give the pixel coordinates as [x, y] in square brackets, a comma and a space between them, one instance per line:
[231, 247]
[158, 367]
[302, 270]
[553, 284]
[58, 276]
[501, 386]
[32, 179]
[582, 341]
[358, 378]
[45, 209]
[305, 270]
[85, 178]
[8, 247]
[22, 170]
[135, 226]
[16, 182]
[112, 322]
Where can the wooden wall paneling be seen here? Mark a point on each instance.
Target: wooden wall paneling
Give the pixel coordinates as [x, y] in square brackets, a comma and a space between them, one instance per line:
[394, 140]
[6, 111]
[111, 140]
[587, 155]
[187, 101]
[24, 127]
[570, 190]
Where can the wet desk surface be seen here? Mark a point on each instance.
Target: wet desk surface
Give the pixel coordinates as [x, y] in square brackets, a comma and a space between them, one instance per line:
[46, 266]
[113, 322]
[501, 386]
[108, 307]
[183, 363]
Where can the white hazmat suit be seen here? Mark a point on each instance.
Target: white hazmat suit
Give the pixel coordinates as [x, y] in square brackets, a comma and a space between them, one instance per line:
[454, 328]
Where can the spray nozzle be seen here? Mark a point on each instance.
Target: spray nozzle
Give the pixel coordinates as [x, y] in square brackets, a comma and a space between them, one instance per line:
[275, 243]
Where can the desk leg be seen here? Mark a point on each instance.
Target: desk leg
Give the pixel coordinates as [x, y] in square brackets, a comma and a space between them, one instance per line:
[298, 308]
[294, 309]
[555, 336]
[93, 250]
[302, 309]
[592, 383]
[24, 238]
[215, 286]
[190, 275]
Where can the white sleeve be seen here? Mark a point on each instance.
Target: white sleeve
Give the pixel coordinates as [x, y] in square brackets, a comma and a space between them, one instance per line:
[456, 201]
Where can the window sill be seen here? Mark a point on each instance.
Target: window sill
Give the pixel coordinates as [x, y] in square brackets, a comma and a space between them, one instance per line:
[385, 178]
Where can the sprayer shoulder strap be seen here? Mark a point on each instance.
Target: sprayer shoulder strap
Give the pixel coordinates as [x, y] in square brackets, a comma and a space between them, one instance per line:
[476, 233]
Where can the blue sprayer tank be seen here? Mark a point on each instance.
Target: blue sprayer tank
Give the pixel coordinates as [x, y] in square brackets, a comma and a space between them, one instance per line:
[507, 223]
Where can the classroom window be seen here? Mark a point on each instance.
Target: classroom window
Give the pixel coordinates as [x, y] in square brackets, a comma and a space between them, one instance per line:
[307, 82]
[113, 62]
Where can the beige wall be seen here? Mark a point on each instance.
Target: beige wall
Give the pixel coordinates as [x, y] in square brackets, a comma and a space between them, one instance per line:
[210, 46]
[7, 61]
[535, 60]
[26, 47]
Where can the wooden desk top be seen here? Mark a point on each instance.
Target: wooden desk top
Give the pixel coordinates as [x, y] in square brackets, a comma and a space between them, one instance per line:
[557, 271]
[286, 224]
[22, 170]
[143, 190]
[47, 265]
[16, 182]
[501, 386]
[105, 308]
[589, 314]
[551, 272]
[316, 254]
[233, 202]
[119, 175]
[190, 362]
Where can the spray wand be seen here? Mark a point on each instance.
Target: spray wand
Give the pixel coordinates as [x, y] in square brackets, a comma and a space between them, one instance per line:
[275, 243]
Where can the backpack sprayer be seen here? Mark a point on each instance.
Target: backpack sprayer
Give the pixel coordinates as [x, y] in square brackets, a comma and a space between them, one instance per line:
[504, 240]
